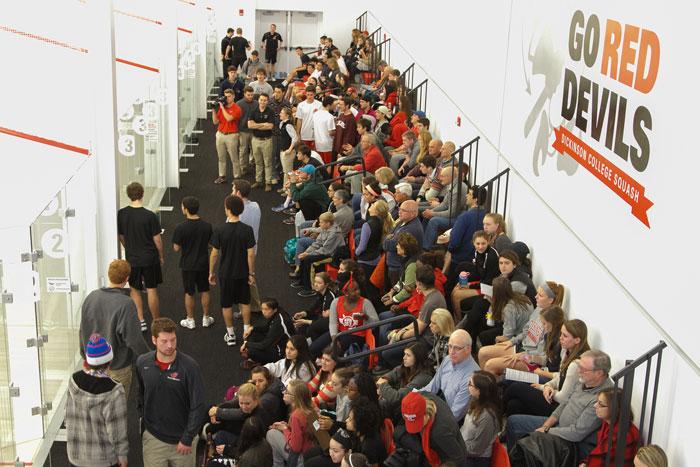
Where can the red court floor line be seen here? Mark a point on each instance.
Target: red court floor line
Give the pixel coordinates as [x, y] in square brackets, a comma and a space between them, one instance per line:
[48, 142]
[142, 18]
[137, 65]
[188, 31]
[28, 35]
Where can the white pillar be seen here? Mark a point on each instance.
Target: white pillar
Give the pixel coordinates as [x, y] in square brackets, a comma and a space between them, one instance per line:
[104, 148]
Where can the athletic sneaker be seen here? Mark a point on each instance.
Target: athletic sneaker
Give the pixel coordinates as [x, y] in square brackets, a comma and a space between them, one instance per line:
[219, 180]
[187, 323]
[290, 210]
[289, 221]
[306, 293]
[144, 326]
[280, 208]
[230, 339]
[207, 321]
[296, 284]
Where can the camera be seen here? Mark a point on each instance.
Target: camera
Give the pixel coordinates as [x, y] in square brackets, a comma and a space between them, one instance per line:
[221, 100]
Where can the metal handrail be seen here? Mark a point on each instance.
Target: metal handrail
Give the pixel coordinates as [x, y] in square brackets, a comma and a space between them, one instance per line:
[419, 96]
[496, 193]
[473, 163]
[627, 376]
[381, 348]
[381, 51]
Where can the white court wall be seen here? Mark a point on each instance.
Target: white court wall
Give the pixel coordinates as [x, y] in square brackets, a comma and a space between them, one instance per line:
[580, 232]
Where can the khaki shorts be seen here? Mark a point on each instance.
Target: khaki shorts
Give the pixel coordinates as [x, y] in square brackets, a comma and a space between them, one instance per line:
[156, 453]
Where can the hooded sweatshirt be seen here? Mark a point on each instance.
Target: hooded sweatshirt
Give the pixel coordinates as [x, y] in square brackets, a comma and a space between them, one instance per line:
[96, 421]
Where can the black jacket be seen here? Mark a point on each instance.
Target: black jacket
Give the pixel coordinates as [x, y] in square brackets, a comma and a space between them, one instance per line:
[171, 402]
[270, 407]
[280, 328]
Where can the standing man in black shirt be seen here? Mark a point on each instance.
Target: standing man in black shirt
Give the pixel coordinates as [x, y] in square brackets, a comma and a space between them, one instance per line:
[234, 242]
[270, 43]
[247, 104]
[261, 122]
[170, 400]
[139, 233]
[239, 45]
[192, 239]
[226, 51]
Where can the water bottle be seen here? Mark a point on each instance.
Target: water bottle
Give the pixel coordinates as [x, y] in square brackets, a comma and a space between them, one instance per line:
[489, 318]
[464, 279]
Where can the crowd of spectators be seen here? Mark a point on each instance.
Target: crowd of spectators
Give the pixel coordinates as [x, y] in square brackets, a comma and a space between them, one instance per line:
[386, 227]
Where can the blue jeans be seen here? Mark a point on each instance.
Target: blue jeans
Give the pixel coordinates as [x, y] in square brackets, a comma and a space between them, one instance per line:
[520, 425]
[434, 227]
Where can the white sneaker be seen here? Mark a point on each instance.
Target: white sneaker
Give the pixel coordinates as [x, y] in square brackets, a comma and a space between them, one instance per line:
[207, 321]
[187, 323]
[230, 339]
[144, 326]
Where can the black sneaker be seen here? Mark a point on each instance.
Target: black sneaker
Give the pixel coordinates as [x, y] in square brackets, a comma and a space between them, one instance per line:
[220, 180]
[296, 284]
[290, 211]
[306, 293]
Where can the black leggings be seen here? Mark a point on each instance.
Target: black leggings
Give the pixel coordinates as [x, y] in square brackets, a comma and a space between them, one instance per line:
[310, 209]
[523, 399]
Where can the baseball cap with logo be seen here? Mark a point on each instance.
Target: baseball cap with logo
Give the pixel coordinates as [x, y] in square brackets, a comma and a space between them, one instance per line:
[413, 411]
[308, 169]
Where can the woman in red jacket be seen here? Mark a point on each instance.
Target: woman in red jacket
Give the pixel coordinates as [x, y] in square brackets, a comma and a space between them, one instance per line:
[290, 440]
[611, 416]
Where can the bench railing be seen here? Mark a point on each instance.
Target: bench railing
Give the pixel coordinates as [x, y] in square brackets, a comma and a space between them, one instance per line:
[626, 375]
[465, 158]
[361, 22]
[406, 78]
[419, 96]
[381, 51]
[497, 186]
[345, 161]
[377, 349]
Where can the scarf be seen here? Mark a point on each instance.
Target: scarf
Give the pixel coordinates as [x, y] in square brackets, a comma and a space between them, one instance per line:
[430, 454]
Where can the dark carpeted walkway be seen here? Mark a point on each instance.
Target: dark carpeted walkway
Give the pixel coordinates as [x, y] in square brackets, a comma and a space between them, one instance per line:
[218, 362]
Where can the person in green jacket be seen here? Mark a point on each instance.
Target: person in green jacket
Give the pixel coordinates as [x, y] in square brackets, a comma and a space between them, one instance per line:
[309, 195]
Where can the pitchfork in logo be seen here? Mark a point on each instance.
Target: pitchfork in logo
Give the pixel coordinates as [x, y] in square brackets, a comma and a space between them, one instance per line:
[546, 61]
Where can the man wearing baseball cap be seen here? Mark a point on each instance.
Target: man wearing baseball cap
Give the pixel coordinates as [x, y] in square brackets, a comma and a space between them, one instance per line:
[430, 430]
[96, 411]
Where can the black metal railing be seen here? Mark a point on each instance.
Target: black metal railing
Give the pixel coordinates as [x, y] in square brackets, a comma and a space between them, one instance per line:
[465, 158]
[419, 96]
[381, 51]
[377, 349]
[376, 37]
[361, 22]
[345, 161]
[497, 187]
[627, 375]
[406, 77]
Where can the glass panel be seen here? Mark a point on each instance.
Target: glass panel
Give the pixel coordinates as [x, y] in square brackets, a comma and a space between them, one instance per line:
[186, 86]
[213, 63]
[54, 323]
[7, 440]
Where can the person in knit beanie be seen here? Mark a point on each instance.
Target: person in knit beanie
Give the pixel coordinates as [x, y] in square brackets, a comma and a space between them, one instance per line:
[96, 411]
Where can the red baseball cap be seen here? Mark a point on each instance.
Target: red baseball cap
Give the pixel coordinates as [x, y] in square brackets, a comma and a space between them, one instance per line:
[413, 411]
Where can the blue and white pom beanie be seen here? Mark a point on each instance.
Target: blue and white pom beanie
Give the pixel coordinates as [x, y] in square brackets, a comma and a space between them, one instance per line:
[98, 351]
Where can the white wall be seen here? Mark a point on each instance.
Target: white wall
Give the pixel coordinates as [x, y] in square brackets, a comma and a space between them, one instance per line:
[580, 233]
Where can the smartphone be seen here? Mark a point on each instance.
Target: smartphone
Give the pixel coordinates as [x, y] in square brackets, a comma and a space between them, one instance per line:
[328, 413]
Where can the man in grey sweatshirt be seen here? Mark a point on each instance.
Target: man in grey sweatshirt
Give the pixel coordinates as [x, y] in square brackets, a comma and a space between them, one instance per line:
[111, 312]
[574, 420]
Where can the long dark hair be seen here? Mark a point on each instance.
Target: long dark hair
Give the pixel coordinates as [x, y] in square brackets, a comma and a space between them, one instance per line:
[420, 352]
[252, 432]
[303, 355]
[502, 294]
[489, 396]
[366, 416]
[366, 386]
[554, 315]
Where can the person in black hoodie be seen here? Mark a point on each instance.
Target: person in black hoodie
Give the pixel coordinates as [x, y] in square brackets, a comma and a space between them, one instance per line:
[265, 344]
[229, 416]
[482, 268]
[313, 322]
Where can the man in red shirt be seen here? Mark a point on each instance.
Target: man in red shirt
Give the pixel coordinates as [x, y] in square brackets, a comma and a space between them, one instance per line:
[226, 117]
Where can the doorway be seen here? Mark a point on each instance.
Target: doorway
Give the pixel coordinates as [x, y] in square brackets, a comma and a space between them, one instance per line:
[297, 28]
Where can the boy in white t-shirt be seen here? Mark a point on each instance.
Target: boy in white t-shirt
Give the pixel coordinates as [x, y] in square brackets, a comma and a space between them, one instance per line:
[324, 129]
[305, 113]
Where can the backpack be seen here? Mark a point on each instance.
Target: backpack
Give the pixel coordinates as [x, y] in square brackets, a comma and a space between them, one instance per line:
[289, 250]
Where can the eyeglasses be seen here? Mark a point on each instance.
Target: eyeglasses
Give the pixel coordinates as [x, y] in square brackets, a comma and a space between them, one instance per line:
[456, 348]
